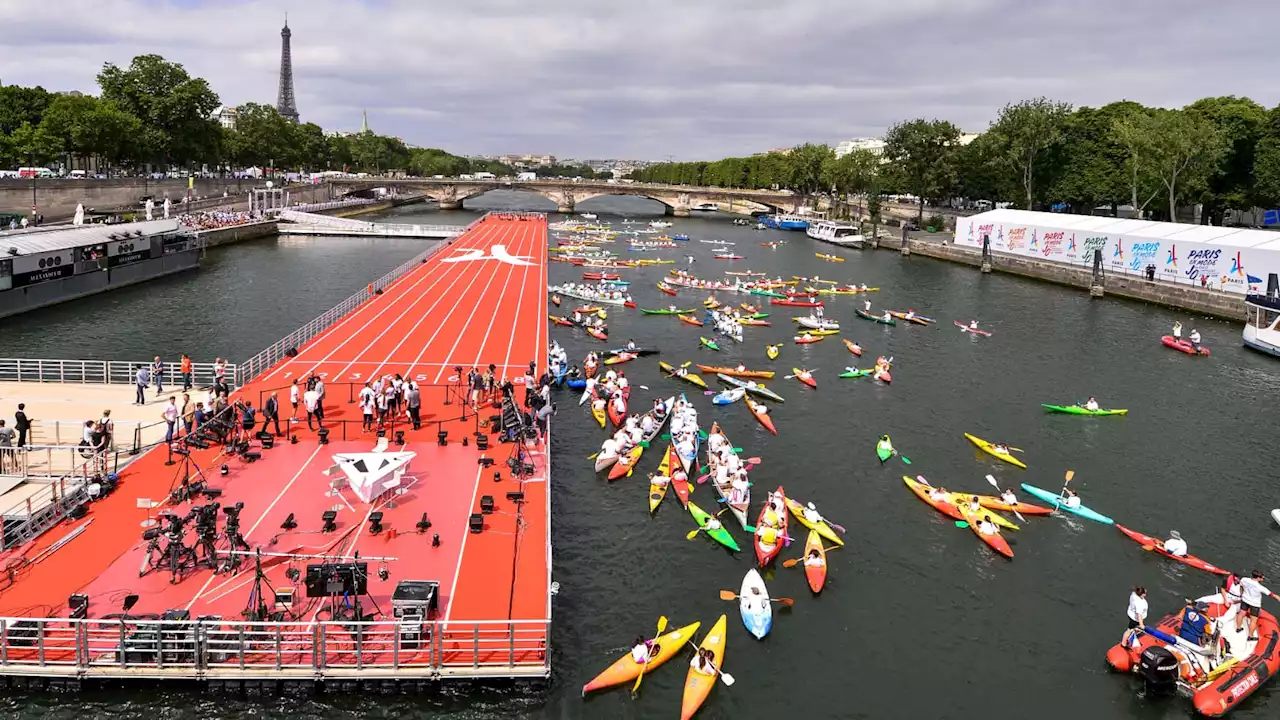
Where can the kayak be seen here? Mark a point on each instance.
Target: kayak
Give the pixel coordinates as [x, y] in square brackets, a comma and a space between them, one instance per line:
[821, 333]
[995, 503]
[658, 492]
[765, 553]
[666, 289]
[766, 293]
[698, 685]
[709, 343]
[822, 527]
[965, 327]
[995, 541]
[1077, 410]
[806, 338]
[752, 387]
[576, 384]
[752, 322]
[761, 415]
[689, 377]
[794, 303]
[598, 412]
[757, 611]
[884, 449]
[875, 318]
[883, 376]
[830, 258]
[816, 575]
[734, 372]
[961, 501]
[728, 397]
[597, 333]
[805, 377]
[692, 320]
[561, 320]
[639, 351]
[626, 463]
[728, 256]
[556, 299]
[627, 669]
[1056, 501]
[1184, 346]
[921, 489]
[989, 448]
[1156, 546]
[621, 358]
[854, 347]
[772, 351]
[854, 373]
[617, 417]
[917, 319]
[664, 311]
[813, 280]
[720, 534]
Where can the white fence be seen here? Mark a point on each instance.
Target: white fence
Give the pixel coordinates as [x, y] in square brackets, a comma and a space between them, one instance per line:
[329, 205]
[105, 372]
[364, 227]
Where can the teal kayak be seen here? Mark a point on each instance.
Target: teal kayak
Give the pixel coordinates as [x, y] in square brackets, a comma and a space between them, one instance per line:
[709, 343]
[720, 535]
[884, 449]
[875, 318]
[1077, 410]
[767, 293]
[1055, 499]
[752, 387]
[854, 373]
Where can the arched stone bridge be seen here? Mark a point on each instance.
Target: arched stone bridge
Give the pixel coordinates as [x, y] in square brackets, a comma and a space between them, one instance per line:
[679, 200]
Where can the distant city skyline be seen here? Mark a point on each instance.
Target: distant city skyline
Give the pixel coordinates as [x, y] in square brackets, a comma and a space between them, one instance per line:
[687, 80]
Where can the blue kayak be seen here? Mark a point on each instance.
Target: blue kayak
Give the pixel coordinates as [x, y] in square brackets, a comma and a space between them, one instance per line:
[753, 603]
[576, 384]
[1055, 499]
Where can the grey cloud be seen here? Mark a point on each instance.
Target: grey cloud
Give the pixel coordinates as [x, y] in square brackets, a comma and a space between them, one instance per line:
[695, 79]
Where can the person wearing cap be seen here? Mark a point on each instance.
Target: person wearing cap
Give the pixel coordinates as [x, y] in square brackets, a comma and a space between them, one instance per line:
[812, 515]
[1175, 545]
[1251, 592]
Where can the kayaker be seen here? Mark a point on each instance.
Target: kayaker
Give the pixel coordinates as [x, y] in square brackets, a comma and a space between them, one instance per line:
[814, 559]
[1193, 626]
[631, 345]
[863, 288]
[1091, 405]
[1195, 339]
[741, 368]
[609, 448]
[740, 487]
[818, 312]
[1229, 593]
[1175, 545]
[1251, 592]
[704, 662]
[659, 480]
[1177, 330]
[1137, 616]
[811, 514]
[679, 475]
[910, 314]
[646, 425]
[768, 535]
[577, 317]
[1009, 498]
[640, 650]
[887, 316]
[672, 308]
[712, 524]
[939, 495]
[866, 306]
[986, 527]
[610, 375]
[975, 506]
[659, 408]
[1002, 449]
[884, 443]
[575, 373]
[623, 382]
[1072, 499]
[973, 324]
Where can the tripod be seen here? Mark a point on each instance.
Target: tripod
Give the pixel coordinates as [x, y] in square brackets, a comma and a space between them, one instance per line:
[256, 609]
[182, 478]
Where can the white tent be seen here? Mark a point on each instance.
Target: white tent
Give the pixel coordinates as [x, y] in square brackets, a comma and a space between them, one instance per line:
[1231, 259]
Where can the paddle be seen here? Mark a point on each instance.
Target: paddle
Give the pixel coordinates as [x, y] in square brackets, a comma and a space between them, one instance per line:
[731, 595]
[1057, 505]
[662, 627]
[726, 677]
[996, 485]
[796, 561]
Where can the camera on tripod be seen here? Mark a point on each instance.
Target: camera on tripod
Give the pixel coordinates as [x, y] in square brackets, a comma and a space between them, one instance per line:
[173, 531]
[206, 517]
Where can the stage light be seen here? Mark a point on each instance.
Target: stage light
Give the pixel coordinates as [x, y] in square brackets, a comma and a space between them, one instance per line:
[497, 476]
[383, 573]
[382, 432]
[435, 540]
[328, 517]
[516, 496]
[224, 470]
[399, 437]
[486, 504]
[375, 522]
[464, 441]
[289, 523]
[78, 604]
[442, 438]
[475, 523]
[423, 524]
[293, 439]
[323, 435]
[293, 574]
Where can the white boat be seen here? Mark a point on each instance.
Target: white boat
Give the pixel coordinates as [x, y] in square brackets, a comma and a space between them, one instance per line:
[836, 233]
[589, 216]
[817, 323]
[1262, 323]
[706, 207]
[659, 224]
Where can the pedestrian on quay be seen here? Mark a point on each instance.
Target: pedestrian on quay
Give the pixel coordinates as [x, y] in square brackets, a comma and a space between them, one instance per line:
[170, 416]
[311, 400]
[142, 380]
[8, 456]
[185, 368]
[219, 371]
[413, 401]
[22, 424]
[294, 395]
[271, 414]
[188, 413]
[107, 427]
[157, 374]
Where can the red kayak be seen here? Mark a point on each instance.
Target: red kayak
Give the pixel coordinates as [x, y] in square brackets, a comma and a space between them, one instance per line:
[629, 304]
[561, 320]
[766, 554]
[615, 417]
[884, 377]
[728, 257]
[854, 347]
[801, 293]
[807, 379]
[795, 303]
[965, 327]
[597, 333]
[763, 417]
[806, 338]
[1184, 346]
[600, 276]
[667, 290]
[1156, 546]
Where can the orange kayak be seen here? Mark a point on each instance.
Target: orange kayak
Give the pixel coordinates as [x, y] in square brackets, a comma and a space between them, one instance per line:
[734, 372]
[691, 320]
[853, 347]
[995, 503]
[995, 540]
[626, 668]
[815, 574]
[922, 491]
[758, 411]
[697, 685]
[626, 464]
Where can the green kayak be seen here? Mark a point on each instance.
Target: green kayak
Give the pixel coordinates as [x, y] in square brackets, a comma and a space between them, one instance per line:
[665, 312]
[709, 343]
[1077, 410]
[875, 318]
[756, 316]
[855, 373]
[720, 535]
[768, 293]
[884, 448]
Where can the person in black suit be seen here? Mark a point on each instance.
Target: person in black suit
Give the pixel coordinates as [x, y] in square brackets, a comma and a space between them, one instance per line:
[22, 424]
[271, 414]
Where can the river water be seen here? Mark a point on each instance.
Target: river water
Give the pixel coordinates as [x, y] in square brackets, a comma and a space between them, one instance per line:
[918, 619]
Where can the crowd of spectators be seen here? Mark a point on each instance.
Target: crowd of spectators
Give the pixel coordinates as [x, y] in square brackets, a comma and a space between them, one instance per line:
[212, 219]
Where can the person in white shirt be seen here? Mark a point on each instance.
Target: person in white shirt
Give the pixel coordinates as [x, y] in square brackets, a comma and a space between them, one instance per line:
[366, 405]
[1195, 339]
[623, 382]
[1251, 592]
[293, 399]
[1091, 405]
[1009, 498]
[814, 559]
[1175, 545]
[646, 424]
[1072, 499]
[1137, 616]
[610, 376]
[311, 400]
[740, 487]
[635, 435]
[609, 448]
[812, 515]
[986, 527]
[939, 495]
[170, 416]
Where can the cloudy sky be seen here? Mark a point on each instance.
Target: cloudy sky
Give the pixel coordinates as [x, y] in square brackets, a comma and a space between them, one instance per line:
[693, 79]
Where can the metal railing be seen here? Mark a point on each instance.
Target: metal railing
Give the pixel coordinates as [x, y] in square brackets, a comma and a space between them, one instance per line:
[29, 517]
[45, 462]
[144, 646]
[279, 350]
[105, 372]
[62, 433]
[327, 205]
[363, 226]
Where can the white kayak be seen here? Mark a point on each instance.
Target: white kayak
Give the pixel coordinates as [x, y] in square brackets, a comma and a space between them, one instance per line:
[757, 611]
[1275, 515]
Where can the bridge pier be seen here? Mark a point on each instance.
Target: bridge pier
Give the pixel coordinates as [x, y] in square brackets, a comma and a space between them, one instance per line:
[565, 207]
[450, 204]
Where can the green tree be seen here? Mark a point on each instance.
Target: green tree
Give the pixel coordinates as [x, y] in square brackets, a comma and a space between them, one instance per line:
[1240, 123]
[1179, 149]
[376, 154]
[311, 149]
[925, 152]
[1087, 165]
[20, 105]
[434, 161]
[263, 138]
[175, 107]
[981, 172]
[1024, 132]
[1266, 164]
[851, 174]
[804, 166]
[33, 144]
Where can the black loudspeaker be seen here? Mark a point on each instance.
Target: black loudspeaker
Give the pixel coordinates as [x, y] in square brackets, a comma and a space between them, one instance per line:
[268, 442]
[476, 523]
[291, 352]
[482, 442]
[78, 604]
[516, 496]
[486, 504]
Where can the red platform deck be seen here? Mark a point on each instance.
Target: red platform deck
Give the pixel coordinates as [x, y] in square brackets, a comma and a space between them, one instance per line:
[481, 300]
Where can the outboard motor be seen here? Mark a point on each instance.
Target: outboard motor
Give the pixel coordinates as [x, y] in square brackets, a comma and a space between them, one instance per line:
[1159, 671]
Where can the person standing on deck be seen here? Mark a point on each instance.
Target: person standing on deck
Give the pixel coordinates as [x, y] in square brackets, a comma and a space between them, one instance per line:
[320, 390]
[188, 413]
[311, 400]
[22, 424]
[141, 380]
[366, 406]
[107, 427]
[271, 414]
[170, 417]
[185, 368]
[157, 374]
[6, 449]
[294, 397]
[381, 400]
[413, 403]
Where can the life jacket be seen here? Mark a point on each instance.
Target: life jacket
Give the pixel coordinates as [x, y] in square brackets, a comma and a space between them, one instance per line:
[1193, 626]
[769, 536]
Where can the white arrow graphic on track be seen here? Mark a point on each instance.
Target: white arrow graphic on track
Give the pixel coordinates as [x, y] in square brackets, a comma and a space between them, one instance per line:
[499, 253]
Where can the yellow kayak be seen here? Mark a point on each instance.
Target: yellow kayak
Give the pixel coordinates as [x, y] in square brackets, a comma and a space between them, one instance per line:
[831, 258]
[822, 332]
[989, 448]
[658, 492]
[963, 499]
[626, 668]
[772, 351]
[597, 411]
[697, 685]
[821, 527]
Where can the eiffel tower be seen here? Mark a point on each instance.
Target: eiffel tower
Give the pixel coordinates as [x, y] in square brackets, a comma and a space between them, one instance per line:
[285, 104]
